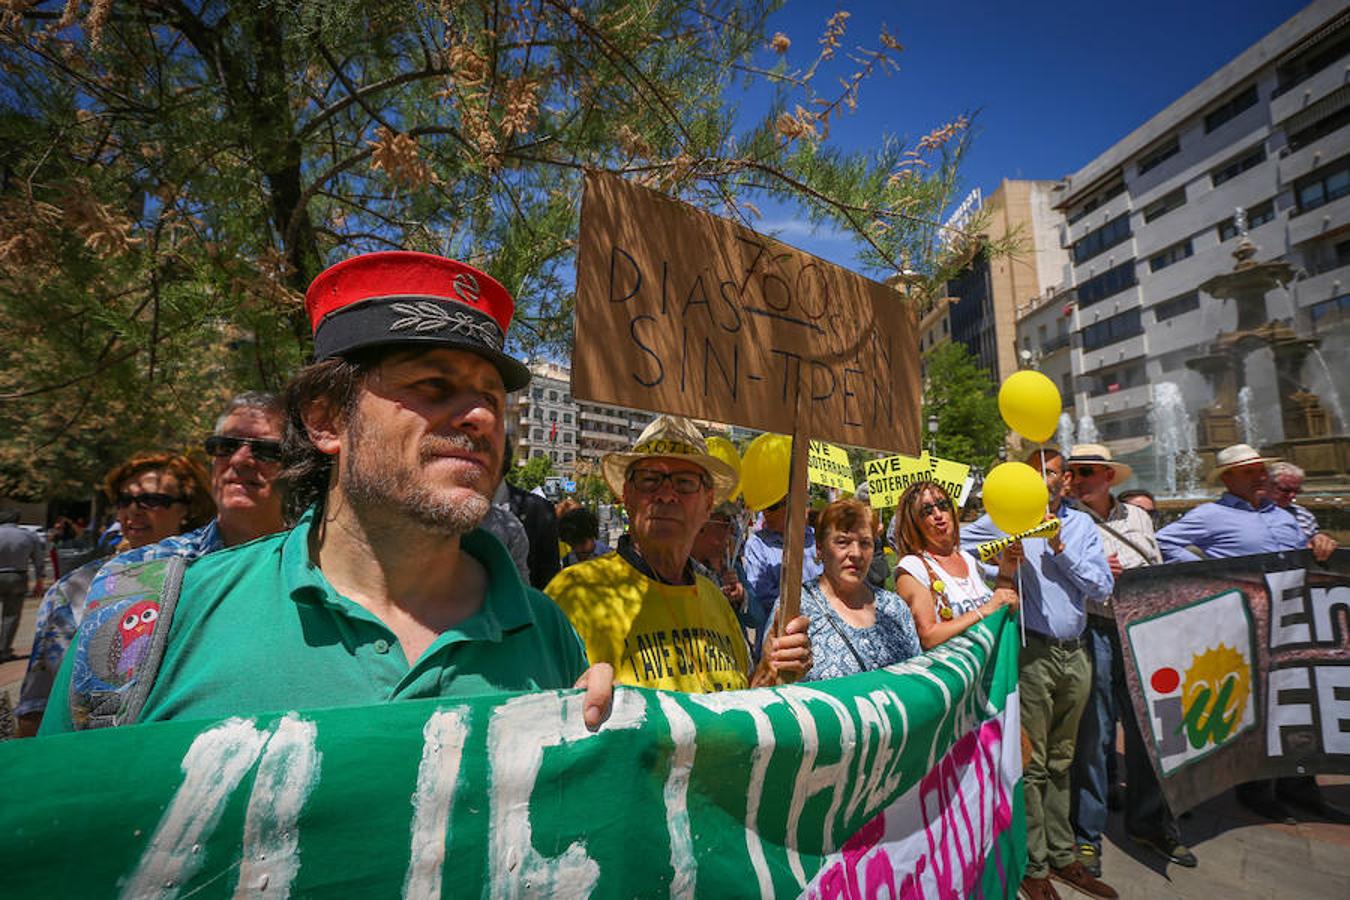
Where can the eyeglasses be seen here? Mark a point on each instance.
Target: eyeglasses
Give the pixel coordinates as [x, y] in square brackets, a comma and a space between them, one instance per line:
[1084, 471]
[223, 446]
[649, 481]
[927, 509]
[148, 500]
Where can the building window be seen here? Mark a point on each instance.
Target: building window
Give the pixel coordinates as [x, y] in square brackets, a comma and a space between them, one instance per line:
[1112, 281]
[1177, 306]
[567, 456]
[1248, 159]
[1104, 238]
[1155, 158]
[1173, 254]
[1113, 379]
[539, 413]
[1066, 383]
[534, 434]
[1115, 429]
[1320, 129]
[1236, 105]
[1101, 199]
[552, 396]
[1257, 216]
[1336, 308]
[1164, 205]
[1320, 188]
[553, 415]
[1334, 45]
[1110, 331]
[537, 393]
[567, 418]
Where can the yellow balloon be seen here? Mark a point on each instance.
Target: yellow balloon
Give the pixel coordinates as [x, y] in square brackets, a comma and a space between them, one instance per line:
[1015, 496]
[764, 470]
[725, 450]
[1030, 404]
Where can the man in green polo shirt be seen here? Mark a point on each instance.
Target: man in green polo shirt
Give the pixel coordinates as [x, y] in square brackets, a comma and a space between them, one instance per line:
[385, 589]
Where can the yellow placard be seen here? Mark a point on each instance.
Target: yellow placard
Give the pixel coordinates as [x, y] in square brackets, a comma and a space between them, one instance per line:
[828, 465]
[990, 549]
[887, 478]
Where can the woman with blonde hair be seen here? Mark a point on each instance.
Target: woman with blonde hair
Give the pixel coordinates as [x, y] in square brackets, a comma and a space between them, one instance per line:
[944, 585]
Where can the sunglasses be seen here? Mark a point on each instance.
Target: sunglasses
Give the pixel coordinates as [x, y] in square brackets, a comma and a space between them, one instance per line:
[649, 482]
[223, 447]
[1084, 471]
[779, 505]
[148, 500]
[927, 509]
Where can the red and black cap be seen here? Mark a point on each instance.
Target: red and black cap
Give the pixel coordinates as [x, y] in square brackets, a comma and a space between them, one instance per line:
[403, 297]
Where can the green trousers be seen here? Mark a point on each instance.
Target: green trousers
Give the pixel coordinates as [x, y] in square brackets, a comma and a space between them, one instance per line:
[1054, 687]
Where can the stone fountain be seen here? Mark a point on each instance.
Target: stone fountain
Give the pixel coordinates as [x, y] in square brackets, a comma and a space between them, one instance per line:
[1307, 427]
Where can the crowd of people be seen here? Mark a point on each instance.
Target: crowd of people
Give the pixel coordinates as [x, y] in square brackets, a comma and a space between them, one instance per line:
[333, 555]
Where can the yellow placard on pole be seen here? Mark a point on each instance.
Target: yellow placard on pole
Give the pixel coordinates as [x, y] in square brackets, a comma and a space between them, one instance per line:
[828, 465]
[887, 478]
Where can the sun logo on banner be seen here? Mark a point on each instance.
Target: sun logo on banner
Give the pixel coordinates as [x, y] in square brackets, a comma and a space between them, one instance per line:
[1214, 694]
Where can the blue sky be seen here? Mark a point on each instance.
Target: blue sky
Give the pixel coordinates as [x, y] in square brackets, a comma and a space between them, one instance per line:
[1055, 84]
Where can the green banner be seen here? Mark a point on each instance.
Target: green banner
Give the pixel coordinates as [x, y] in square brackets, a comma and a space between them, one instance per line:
[906, 778]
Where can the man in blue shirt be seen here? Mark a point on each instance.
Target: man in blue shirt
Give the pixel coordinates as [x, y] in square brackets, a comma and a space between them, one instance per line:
[1243, 521]
[1057, 577]
[762, 560]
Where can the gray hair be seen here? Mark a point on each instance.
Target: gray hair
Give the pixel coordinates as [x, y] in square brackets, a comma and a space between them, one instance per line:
[1282, 469]
[270, 404]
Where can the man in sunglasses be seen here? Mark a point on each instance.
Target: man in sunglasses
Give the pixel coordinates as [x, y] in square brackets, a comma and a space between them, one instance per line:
[644, 609]
[1057, 577]
[1128, 539]
[386, 588]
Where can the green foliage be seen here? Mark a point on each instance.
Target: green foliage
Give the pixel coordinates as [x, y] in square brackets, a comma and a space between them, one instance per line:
[533, 474]
[174, 175]
[592, 491]
[964, 398]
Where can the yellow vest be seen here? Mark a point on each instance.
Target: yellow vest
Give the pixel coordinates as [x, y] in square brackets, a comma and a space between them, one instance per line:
[663, 636]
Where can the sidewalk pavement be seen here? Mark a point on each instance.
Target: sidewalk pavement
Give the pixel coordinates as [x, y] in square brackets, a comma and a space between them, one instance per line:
[1241, 856]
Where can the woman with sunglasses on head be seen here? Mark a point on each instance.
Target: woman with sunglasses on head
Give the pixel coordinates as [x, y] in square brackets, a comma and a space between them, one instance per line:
[943, 584]
[155, 496]
[854, 626]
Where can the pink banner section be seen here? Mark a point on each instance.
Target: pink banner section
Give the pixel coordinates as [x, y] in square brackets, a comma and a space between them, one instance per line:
[950, 836]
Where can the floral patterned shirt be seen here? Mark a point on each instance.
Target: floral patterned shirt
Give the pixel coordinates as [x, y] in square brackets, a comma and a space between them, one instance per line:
[64, 605]
[839, 649]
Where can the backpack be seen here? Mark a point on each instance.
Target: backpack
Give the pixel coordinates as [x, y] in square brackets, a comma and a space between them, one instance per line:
[120, 645]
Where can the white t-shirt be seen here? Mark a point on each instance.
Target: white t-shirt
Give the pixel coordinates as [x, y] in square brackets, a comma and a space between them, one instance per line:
[964, 594]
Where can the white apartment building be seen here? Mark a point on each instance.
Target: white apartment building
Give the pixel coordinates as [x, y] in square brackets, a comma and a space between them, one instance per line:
[1152, 218]
[545, 420]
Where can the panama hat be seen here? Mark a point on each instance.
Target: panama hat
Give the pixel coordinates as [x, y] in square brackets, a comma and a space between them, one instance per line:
[1098, 455]
[1237, 455]
[670, 437]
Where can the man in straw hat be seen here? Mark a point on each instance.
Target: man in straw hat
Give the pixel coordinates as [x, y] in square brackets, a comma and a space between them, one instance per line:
[643, 608]
[1243, 521]
[1129, 542]
[386, 588]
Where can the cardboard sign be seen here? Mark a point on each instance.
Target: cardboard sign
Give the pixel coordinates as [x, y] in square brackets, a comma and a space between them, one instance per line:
[828, 465]
[887, 478]
[1238, 668]
[683, 312]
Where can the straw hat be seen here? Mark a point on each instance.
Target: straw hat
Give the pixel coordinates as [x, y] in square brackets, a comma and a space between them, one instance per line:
[1234, 456]
[1098, 455]
[670, 437]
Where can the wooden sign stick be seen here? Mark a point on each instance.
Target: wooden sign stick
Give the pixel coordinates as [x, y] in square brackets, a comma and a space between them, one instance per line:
[790, 587]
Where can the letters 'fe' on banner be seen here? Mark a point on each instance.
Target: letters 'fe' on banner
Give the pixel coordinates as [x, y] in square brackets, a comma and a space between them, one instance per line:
[683, 312]
[902, 782]
[828, 465]
[1239, 668]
